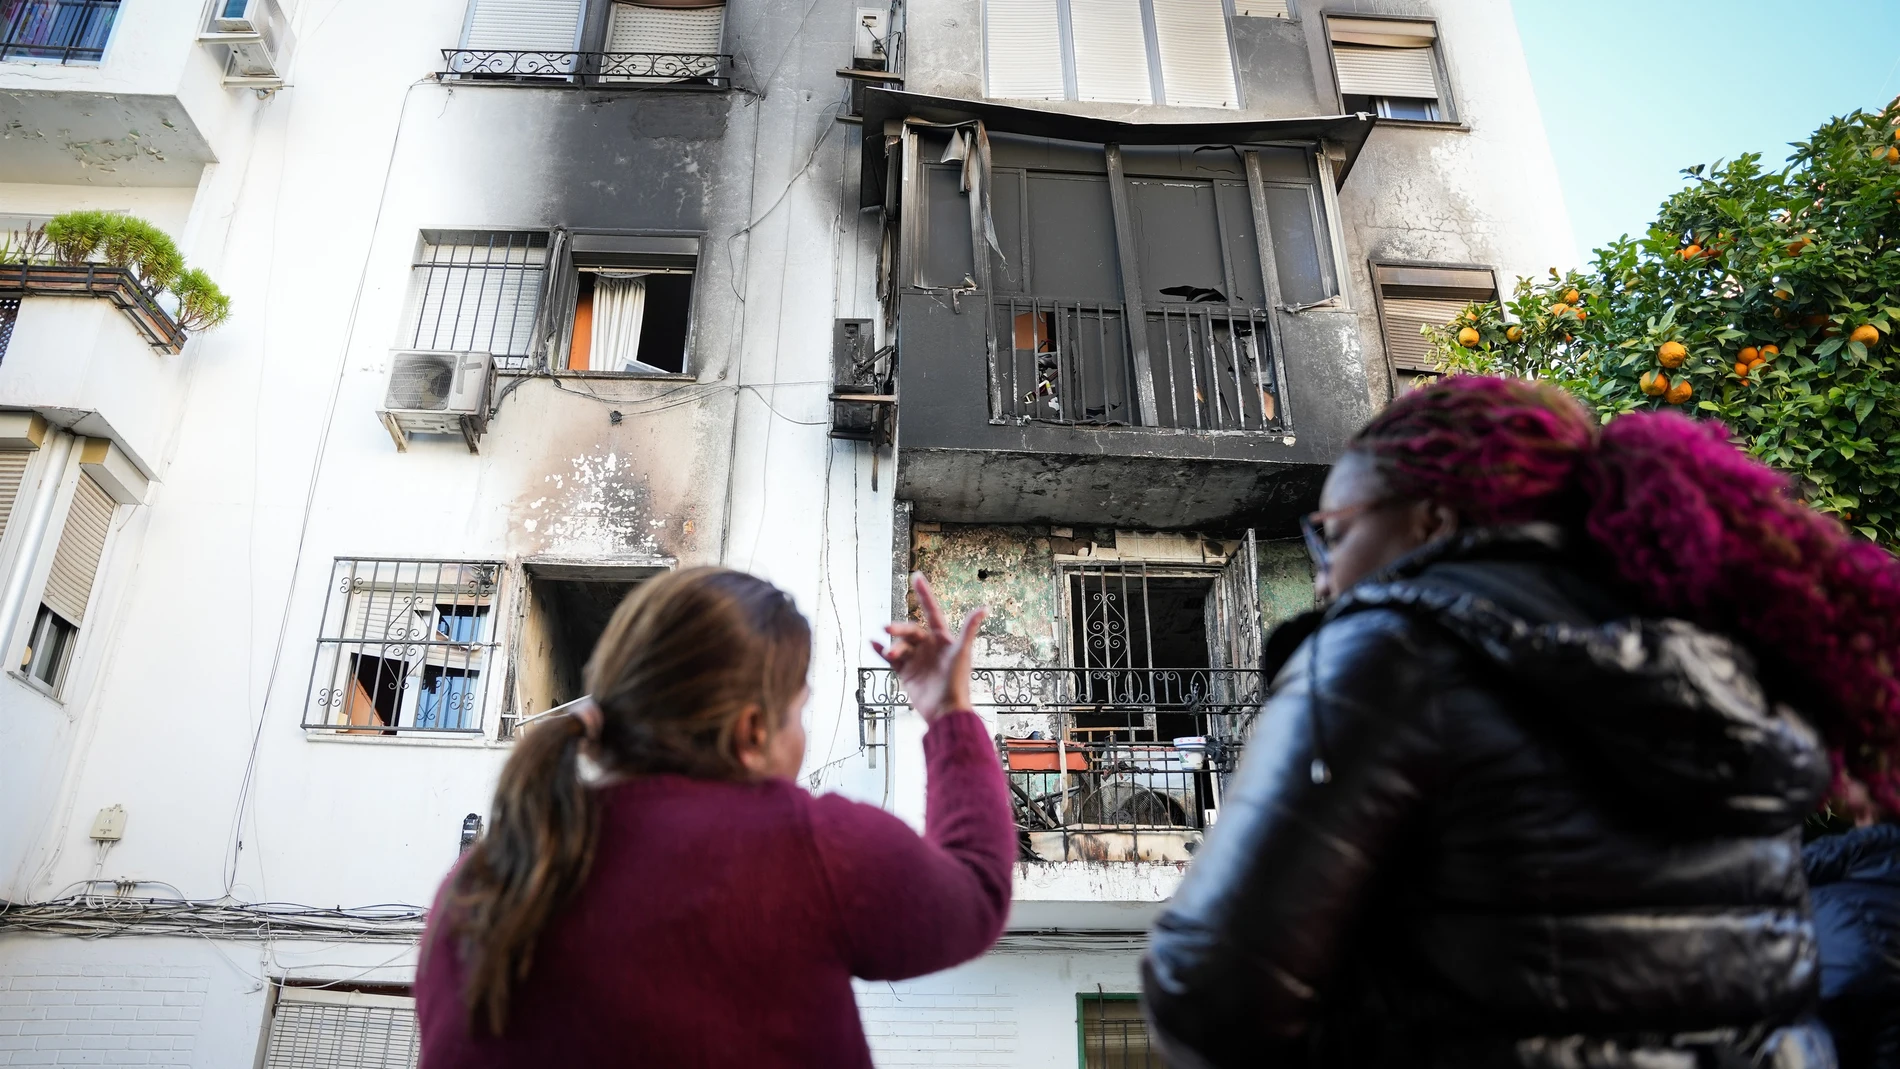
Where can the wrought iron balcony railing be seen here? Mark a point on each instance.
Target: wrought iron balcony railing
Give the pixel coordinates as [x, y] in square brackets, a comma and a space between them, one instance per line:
[587, 68]
[59, 31]
[1103, 764]
[1211, 366]
[117, 284]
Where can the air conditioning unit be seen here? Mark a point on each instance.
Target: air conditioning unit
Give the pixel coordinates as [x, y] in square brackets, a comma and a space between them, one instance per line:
[256, 39]
[437, 393]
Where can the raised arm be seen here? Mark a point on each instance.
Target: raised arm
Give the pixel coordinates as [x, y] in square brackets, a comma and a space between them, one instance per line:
[1239, 958]
[912, 904]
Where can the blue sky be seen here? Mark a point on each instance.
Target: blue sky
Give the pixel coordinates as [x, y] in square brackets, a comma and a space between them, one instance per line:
[1632, 91]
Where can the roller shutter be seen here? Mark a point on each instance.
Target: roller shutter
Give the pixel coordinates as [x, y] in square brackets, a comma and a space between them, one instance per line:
[81, 541]
[1111, 51]
[1386, 72]
[12, 473]
[524, 25]
[1197, 66]
[1023, 42]
[322, 1029]
[1404, 316]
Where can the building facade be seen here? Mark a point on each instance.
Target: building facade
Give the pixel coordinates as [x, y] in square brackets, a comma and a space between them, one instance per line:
[1066, 304]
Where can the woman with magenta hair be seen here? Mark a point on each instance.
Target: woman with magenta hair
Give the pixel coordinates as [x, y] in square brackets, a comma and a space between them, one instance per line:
[1529, 789]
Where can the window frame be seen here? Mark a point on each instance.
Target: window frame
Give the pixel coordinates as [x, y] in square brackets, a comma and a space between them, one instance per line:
[335, 657]
[117, 7]
[1445, 102]
[1151, 44]
[562, 296]
[1373, 268]
[416, 300]
[1083, 1001]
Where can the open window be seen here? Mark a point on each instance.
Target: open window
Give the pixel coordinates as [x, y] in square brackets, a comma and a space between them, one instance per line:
[632, 303]
[405, 645]
[564, 612]
[1112, 1033]
[68, 591]
[1415, 296]
[1390, 68]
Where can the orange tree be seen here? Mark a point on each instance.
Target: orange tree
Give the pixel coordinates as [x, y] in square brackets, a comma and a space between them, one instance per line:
[1762, 298]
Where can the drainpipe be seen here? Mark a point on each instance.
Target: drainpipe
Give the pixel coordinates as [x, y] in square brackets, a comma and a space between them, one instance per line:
[26, 561]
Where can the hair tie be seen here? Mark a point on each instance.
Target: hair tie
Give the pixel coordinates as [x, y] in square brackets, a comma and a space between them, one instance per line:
[589, 715]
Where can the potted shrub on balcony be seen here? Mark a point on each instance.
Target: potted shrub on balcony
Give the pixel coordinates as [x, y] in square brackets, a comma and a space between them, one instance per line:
[122, 258]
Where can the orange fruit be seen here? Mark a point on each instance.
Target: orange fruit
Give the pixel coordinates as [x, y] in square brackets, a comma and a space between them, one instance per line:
[1769, 352]
[1472, 316]
[1559, 309]
[1653, 383]
[1813, 320]
[1783, 294]
[1513, 332]
[1679, 393]
[1795, 247]
[1581, 314]
[1672, 354]
[1468, 337]
[1570, 296]
[1865, 334]
[1741, 368]
[1749, 355]
[1692, 252]
[1893, 155]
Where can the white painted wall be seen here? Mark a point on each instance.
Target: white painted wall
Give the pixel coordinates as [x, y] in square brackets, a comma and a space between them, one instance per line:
[269, 462]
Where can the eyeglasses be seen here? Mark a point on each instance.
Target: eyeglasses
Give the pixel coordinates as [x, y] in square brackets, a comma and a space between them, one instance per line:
[1319, 545]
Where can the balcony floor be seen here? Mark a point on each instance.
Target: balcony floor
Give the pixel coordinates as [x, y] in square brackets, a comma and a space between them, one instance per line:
[74, 137]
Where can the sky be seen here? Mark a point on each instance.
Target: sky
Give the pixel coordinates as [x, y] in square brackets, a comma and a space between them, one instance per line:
[1633, 91]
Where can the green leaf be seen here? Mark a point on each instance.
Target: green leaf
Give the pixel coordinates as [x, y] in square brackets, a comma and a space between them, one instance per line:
[1829, 346]
[1862, 409]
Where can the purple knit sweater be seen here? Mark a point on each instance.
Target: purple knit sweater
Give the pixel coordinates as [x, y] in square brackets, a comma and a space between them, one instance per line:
[722, 923]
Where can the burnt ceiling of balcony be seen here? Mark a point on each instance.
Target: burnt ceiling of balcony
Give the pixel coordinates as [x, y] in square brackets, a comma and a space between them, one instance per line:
[74, 138]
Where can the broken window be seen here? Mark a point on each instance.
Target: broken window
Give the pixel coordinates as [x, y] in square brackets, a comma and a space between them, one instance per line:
[1113, 1034]
[564, 612]
[1174, 52]
[1389, 67]
[632, 303]
[1066, 295]
[1415, 296]
[404, 645]
[479, 292]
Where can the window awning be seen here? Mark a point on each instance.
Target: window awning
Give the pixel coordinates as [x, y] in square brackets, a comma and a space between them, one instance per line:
[883, 106]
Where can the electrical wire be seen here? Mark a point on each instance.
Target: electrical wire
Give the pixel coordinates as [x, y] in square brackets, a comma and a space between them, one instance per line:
[98, 917]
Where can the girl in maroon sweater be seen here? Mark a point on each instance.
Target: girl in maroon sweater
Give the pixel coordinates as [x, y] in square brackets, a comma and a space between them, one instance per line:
[692, 905]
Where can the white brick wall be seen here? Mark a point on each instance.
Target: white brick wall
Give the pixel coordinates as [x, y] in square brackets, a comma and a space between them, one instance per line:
[960, 1024]
[57, 1014]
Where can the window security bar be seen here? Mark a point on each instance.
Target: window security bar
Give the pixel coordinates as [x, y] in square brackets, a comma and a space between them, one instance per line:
[481, 293]
[1070, 362]
[588, 68]
[63, 31]
[405, 645]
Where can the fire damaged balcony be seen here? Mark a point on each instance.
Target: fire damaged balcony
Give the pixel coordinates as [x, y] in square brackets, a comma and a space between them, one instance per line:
[1109, 322]
[1103, 764]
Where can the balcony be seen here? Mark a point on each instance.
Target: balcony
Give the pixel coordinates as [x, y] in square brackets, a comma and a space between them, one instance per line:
[1103, 764]
[1102, 322]
[589, 69]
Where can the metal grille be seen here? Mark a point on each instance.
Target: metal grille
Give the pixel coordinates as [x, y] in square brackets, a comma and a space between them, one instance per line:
[405, 645]
[9, 313]
[66, 31]
[1069, 362]
[587, 68]
[321, 1029]
[481, 293]
[1114, 1035]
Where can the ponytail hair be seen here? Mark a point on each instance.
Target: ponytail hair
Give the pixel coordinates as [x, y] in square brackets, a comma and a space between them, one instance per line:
[1690, 525]
[683, 659]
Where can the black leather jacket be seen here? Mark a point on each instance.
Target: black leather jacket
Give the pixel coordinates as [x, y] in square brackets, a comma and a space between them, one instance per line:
[1541, 832]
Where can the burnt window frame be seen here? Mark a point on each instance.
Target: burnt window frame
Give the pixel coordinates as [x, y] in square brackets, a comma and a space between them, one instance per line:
[921, 149]
[675, 252]
[1376, 265]
[1450, 118]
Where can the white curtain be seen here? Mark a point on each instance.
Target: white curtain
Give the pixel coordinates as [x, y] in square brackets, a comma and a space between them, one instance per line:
[620, 302]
